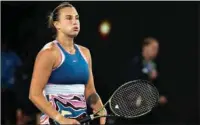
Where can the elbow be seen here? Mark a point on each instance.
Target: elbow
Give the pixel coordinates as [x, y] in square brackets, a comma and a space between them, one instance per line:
[35, 96]
[30, 97]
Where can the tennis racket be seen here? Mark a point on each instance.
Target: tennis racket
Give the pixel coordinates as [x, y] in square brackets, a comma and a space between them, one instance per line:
[132, 99]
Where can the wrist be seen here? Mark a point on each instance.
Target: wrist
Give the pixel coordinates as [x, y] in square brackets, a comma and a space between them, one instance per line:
[103, 112]
[58, 118]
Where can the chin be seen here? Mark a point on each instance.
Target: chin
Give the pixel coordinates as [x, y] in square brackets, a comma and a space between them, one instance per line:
[73, 35]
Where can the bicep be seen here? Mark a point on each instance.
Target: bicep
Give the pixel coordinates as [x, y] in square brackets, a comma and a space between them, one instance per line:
[42, 70]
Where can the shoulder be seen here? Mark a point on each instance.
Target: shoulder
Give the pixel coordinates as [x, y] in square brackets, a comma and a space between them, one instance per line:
[85, 53]
[136, 61]
[49, 50]
[85, 50]
[137, 58]
[49, 46]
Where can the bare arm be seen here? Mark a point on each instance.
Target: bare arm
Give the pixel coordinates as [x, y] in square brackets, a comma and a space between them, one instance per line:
[90, 88]
[90, 92]
[42, 70]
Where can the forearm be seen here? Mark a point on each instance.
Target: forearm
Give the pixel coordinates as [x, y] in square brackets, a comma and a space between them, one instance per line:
[44, 106]
[95, 102]
[99, 107]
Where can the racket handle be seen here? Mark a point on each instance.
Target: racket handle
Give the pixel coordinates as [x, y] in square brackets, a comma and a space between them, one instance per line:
[86, 119]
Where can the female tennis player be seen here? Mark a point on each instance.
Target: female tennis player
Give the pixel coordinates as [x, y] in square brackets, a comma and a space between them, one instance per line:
[62, 82]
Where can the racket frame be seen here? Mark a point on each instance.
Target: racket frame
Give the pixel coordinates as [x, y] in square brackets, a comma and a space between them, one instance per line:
[109, 101]
[92, 116]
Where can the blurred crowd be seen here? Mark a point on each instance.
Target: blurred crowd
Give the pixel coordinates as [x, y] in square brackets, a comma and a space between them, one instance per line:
[15, 81]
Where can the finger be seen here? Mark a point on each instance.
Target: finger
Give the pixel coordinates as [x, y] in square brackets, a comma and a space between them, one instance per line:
[94, 111]
[103, 121]
[76, 122]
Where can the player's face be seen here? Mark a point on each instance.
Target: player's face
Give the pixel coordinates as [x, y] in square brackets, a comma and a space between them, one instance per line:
[68, 22]
[153, 49]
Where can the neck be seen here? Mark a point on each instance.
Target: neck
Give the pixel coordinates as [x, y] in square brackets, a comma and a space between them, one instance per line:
[65, 41]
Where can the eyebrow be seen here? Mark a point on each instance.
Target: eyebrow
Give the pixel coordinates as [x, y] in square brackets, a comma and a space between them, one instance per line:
[71, 15]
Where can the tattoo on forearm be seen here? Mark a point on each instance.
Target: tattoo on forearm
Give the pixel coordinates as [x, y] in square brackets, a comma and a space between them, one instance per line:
[93, 98]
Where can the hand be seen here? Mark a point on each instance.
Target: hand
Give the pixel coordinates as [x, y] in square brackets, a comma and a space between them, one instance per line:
[163, 100]
[19, 117]
[67, 121]
[96, 107]
[102, 120]
[153, 74]
[102, 113]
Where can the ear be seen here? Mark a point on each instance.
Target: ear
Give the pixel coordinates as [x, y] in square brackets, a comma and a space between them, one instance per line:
[56, 24]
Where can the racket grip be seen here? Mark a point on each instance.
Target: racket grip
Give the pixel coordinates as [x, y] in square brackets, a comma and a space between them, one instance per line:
[86, 119]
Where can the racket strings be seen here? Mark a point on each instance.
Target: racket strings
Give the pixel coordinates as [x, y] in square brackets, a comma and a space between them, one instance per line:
[134, 99]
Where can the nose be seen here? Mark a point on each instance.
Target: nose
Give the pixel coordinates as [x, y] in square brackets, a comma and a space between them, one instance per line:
[75, 22]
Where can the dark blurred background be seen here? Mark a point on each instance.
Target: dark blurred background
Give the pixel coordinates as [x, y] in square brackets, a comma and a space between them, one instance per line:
[174, 24]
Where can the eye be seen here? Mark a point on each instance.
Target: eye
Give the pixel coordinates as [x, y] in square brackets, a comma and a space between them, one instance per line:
[77, 18]
[68, 17]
